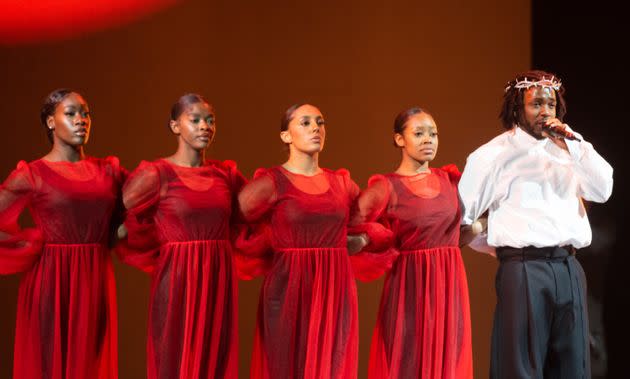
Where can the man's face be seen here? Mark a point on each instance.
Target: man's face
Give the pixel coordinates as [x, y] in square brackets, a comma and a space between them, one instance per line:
[539, 104]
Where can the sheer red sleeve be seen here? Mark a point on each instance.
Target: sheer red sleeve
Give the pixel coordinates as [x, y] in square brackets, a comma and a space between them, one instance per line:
[119, 175]
[244, 240]
[19, 248]
[141, 195]
[378, 256]
[236, 181]
[253, 251]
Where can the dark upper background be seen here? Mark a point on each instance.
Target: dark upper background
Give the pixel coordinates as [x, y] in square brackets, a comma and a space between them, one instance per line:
[585, 44]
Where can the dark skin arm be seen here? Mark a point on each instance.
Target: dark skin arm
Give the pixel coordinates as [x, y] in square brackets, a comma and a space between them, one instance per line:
[468, 232]
[357, 242]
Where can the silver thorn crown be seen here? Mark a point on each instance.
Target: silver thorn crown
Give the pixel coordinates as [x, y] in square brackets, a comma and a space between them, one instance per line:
[544, 82]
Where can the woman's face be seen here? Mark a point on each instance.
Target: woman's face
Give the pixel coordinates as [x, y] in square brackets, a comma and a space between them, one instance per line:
[306, 131]
[419, 139]
[71, 122]
[195, 126]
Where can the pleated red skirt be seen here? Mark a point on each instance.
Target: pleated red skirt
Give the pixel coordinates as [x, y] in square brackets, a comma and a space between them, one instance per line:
[193, 312]
[66, 317]
[307, 317]
[423, 327]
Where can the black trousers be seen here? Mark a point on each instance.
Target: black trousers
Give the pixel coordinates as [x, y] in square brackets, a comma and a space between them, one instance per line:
[540, 321]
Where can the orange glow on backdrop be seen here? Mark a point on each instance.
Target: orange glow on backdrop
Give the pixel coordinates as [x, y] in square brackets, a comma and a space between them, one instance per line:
[29, 21]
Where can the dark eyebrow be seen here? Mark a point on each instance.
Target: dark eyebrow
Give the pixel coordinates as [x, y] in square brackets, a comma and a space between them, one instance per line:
[544, 100]
[72, 108]
[306, 116]
[197, 114]
[76, 106]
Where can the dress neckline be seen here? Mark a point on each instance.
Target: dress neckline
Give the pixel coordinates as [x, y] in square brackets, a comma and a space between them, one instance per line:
[69, 163]
[79, 171]
[204, 164]
[418, 175]
[321, 172]
[288, 173]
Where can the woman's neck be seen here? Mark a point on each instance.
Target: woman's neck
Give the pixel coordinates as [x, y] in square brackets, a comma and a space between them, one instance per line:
[302, 163]
[188, 157]
[410, 166]
[64, 152]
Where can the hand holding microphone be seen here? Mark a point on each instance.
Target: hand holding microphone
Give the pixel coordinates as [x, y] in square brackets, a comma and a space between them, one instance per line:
[556, 129]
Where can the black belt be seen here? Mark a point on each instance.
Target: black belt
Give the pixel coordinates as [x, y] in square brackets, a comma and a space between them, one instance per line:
[528, 253]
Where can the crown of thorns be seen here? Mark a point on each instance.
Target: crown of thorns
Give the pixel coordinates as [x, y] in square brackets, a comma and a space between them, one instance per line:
[525, 83]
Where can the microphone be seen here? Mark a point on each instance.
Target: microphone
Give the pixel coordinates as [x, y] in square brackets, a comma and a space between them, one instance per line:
[560, 133]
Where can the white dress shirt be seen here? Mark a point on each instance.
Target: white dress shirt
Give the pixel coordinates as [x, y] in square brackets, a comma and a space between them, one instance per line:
[533, 191]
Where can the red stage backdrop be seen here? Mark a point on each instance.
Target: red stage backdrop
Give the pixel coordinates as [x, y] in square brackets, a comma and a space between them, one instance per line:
[29, 21]
[359, 61]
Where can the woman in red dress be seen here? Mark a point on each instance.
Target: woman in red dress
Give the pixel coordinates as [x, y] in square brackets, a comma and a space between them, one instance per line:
[423, 326]
[179, 220]
[307, 315]
[66, 316]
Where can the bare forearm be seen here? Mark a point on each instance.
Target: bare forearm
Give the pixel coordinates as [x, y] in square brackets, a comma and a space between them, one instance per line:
[468, 232]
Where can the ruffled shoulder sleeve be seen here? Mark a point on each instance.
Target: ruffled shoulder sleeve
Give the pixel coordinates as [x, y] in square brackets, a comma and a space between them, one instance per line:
[252, 243]
[349, 185]
[142, 189]
[236, 180]
[258, 196]
[18, 248]
[141, 194]
[119, 173]
[378, 256]
[453, 173]
[15, 193]
[373, 200]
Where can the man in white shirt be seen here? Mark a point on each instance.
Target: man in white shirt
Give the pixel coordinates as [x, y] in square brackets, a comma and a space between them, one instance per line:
[531, 182]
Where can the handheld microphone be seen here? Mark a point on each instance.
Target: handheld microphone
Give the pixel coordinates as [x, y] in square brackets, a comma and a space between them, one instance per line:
[560, 133]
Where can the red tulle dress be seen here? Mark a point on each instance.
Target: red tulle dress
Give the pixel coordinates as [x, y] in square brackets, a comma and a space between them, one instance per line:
[307, 323]
[66, 315]
[179, 222]
[423, 327]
